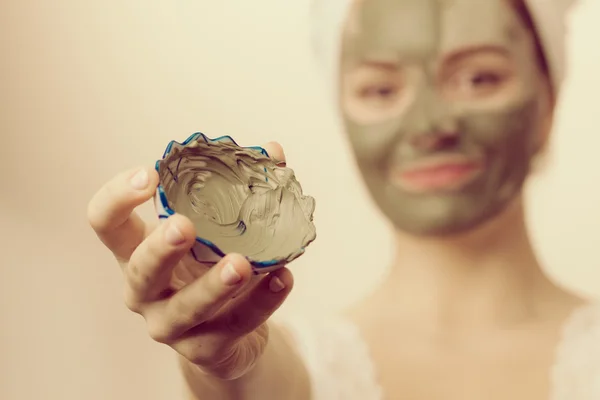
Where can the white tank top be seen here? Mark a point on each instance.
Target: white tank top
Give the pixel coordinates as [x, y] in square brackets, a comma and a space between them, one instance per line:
[340, 368]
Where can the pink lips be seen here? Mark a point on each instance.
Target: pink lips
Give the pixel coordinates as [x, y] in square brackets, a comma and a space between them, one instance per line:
[446, 172]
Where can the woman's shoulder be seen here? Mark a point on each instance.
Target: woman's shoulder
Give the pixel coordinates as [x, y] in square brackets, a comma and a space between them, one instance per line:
[576, 372]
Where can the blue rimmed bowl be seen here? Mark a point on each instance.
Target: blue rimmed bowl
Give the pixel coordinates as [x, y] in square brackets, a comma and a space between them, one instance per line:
[238, 199]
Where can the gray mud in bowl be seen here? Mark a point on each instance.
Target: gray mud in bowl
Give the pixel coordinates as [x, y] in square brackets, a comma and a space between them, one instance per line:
[238, 200]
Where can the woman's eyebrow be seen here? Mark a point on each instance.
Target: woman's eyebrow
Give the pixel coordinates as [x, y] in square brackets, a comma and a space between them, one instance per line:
[465, 52]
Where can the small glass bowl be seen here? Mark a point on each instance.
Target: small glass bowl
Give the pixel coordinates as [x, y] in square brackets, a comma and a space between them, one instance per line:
[238, 199]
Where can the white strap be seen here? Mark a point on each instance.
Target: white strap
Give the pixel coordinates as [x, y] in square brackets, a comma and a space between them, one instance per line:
[336, 357]
[576, 372]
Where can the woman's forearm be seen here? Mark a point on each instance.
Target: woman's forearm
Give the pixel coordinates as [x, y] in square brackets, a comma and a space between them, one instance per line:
[279, 374]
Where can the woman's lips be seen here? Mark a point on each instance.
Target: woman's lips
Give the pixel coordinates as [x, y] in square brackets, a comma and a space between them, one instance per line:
[437, 173]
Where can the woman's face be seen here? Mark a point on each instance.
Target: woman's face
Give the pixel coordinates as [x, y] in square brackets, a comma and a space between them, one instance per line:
[445, 104]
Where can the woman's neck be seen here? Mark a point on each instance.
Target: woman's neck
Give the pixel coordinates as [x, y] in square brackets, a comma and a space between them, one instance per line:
[486, 279]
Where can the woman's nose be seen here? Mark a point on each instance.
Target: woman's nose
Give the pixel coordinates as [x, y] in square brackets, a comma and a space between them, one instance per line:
[435, 140]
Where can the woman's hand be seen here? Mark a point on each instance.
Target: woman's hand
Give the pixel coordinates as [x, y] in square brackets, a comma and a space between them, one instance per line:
[214, 317]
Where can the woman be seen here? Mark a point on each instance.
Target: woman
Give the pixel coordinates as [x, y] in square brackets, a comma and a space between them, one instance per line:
[446, 104]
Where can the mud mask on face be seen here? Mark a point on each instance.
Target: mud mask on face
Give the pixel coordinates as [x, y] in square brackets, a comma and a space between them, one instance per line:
[442, 103]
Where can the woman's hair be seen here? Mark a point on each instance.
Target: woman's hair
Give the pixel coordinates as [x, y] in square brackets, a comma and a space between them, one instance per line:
[541, 158]
[523, 12]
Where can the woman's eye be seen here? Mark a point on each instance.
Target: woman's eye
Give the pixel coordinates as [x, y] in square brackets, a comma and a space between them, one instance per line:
[477, 83]
[383, 91]
[379, 93]
[485, 79]
[480, 80]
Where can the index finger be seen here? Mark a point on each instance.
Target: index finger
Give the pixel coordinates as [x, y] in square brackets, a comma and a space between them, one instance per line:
[110, 211]
[275, 152]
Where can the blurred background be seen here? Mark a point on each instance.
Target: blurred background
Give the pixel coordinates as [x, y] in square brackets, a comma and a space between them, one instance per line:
[89, 88]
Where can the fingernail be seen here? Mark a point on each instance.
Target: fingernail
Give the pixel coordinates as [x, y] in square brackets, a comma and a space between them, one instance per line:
[276, 285]
[173, 234]
[229, 275]
[140, 180]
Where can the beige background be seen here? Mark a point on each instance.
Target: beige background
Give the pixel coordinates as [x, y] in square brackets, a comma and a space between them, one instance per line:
[89, 88]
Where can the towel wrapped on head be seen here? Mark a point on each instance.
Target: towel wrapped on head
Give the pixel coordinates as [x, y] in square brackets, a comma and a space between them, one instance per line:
[328, 18]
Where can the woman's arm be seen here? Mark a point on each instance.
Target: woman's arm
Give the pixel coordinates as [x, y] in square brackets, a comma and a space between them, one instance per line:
[279, 374]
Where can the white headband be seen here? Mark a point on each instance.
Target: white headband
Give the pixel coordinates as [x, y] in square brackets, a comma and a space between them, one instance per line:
[328, 18]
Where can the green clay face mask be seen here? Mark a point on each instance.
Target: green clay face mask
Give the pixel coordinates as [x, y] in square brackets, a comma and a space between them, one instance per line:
[444, 105]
